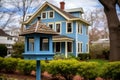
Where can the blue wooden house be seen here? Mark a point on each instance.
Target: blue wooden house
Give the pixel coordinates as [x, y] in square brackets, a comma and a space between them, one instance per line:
[73, 35]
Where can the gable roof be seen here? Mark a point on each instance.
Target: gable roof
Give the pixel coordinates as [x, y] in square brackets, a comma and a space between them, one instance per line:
[38, 27]
[2, 33]
[66, 15]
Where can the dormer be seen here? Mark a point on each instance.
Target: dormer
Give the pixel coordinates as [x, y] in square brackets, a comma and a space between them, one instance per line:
[77, 12]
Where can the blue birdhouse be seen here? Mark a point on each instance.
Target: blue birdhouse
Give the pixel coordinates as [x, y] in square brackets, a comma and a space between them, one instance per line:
[38, 42]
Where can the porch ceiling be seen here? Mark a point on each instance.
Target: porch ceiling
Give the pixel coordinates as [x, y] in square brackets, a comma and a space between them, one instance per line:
[61, 38]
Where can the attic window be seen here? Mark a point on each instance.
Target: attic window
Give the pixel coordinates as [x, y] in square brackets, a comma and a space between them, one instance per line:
[51, 14]
[44, 15]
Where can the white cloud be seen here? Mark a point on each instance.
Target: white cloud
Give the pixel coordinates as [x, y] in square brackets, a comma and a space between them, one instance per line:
[85, 4]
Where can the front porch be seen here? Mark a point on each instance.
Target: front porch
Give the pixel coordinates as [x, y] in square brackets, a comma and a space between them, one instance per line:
[62, 45]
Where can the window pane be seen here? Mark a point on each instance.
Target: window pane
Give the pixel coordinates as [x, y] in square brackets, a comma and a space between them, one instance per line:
[44, 44]
[51, 26]
[43, 15]
[79, 28]
[87, 48]
[58, 28]
[57, 46]
[69, 27]
[86, 30]
[30, 44]
[51, 14]
[79, 47]
[69, 48]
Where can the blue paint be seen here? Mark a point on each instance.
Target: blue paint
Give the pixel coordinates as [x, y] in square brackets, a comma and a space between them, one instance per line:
[83, 38]
[76, 14]
[59, 18]
[38, 70]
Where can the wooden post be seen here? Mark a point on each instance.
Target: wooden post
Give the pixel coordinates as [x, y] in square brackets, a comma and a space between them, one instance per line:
[66, 52]
[38, 70]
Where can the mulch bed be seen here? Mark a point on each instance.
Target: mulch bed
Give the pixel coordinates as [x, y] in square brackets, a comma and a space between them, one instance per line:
[45, 76]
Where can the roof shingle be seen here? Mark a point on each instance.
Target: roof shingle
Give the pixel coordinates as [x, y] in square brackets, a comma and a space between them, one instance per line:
[39, 27]
[2, 33]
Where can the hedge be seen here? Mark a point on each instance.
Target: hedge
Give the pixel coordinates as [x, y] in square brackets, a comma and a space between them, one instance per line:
[111, 70]
[26, 66]
[10, 65]
[66, 68]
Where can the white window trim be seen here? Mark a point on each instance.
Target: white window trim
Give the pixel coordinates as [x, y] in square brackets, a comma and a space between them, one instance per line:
[49, 14]
[81, 28]
[55, 48]
[67, 27]
[60, 27]
[52, 24]
[80, 47]
[71, 48]
[42, 14]
[88, 47]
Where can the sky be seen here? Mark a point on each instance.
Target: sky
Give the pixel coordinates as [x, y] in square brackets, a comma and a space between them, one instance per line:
[85, 4]
[69, 4]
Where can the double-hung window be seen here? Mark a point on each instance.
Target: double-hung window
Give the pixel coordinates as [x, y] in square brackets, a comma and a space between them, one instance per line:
[79, 47]
[87, 48]
[86, 30]
[58, 27]
[44, 15]
[79, 28]
[51, 14]
[69, 27]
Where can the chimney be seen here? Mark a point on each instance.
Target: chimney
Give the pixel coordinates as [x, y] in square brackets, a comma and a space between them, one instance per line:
[62, 5]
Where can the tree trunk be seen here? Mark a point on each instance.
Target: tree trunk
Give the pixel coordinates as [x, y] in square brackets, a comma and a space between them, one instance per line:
[114, 27]
[114, 31]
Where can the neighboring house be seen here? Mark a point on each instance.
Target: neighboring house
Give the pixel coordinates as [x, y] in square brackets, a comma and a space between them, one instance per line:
[72, 28]
[14, 32]
[7, 40]
[104, 42]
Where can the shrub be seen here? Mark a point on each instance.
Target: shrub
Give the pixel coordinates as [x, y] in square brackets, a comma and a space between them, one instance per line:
[18, 49]
[10, 65]
[59, 56]
[1, 63]
[111, 70]
[84, 56]
[99, 52]
[3, 50]
[88, 70]
[64, 68]
[26, 66]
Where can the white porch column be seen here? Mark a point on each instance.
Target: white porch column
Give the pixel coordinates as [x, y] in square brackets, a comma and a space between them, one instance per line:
[66, 52]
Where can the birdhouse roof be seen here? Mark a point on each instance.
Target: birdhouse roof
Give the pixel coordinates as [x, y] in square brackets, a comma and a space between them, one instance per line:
[40, 28]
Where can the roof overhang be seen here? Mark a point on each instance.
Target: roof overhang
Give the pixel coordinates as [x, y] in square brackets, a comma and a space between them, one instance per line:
[80, 19]
[59, 38]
